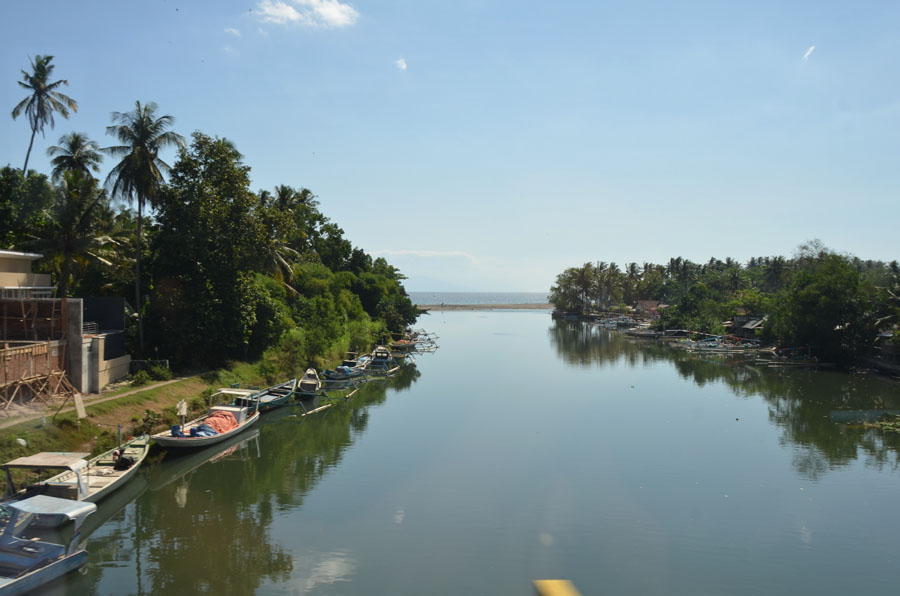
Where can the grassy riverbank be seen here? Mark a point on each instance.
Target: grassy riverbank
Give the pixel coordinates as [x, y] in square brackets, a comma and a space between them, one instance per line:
[128, 407]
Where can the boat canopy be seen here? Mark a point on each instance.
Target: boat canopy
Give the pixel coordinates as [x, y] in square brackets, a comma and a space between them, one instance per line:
[53, 507]
[50, 459]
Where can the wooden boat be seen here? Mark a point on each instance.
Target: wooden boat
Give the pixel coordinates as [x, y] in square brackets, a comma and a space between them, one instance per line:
[310, 384]
[80, 479]
[193, 434]
[28, 562]
[274, 396]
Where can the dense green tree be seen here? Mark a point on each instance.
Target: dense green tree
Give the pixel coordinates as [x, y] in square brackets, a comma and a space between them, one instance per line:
[139, 174]
[70, 238]
[22, 204]
[43, 99]
[828, 307]
[209, 247]
[75, 152]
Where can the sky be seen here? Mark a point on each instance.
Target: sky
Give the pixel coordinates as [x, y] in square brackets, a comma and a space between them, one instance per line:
[486, 145]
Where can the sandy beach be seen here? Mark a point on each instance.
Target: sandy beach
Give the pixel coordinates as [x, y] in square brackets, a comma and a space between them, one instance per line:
[442, 307]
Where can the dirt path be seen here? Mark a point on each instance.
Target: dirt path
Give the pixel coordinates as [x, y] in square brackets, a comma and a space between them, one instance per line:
[27, 415]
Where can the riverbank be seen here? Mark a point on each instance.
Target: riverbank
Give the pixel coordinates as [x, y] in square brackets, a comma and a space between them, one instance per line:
[443, 307]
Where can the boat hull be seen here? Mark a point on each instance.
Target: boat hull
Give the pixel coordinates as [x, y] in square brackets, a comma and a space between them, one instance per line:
[39, 577]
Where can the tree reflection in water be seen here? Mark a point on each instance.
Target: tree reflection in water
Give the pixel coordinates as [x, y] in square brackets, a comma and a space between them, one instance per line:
[815, 409]
[204, 526]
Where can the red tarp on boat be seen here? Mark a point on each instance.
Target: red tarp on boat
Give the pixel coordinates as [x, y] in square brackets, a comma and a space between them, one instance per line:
[222, 422]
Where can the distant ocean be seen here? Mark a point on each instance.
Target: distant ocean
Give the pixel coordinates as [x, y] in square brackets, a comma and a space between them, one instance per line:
[478, 297]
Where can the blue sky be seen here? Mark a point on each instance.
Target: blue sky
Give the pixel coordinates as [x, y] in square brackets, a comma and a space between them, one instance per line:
[486, 145]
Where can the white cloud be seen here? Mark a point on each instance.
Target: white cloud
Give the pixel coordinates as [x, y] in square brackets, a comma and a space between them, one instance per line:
[311, 13]
[401, 64]
[233, 31]
[808, 52]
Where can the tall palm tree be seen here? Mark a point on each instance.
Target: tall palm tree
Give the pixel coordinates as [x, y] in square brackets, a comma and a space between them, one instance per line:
[43, 101]
[75, 152]
[139, 174]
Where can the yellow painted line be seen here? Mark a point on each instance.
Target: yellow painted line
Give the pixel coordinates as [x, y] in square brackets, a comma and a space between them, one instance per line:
[555, 587]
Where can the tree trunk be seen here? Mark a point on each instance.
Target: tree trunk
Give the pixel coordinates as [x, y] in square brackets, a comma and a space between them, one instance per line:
[28, 154]
[137, 280]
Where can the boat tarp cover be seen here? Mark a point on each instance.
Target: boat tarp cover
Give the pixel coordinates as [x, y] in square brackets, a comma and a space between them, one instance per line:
[221, 421]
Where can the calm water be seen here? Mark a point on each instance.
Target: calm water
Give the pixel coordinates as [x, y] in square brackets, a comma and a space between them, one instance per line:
[478, 297]
[520, 450]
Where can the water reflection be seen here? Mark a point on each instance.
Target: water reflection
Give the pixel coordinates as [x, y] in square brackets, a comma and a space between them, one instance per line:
[818, 411]
[201, 522]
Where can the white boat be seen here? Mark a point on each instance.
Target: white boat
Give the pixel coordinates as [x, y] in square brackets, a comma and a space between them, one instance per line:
[195, 434]
[28, 562]
[310, 384]
[79, 479]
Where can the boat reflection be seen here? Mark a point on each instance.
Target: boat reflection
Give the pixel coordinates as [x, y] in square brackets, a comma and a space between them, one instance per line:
[181, 465]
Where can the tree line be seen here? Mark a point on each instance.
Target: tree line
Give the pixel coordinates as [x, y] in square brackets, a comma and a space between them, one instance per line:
[217, 271]
[833, 303]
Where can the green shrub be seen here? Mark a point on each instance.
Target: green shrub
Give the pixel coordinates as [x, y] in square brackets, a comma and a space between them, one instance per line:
[141, 377]
[146, 424]
[160, 373]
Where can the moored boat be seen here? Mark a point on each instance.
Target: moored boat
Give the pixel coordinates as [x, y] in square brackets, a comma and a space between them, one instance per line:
[80, 479]
[220, 423]
[382, 360]
[266, 399]
[343, 373]
[28, 562]
[310, 384]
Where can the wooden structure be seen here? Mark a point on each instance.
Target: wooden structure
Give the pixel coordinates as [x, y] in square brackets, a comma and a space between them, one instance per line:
[33, 351]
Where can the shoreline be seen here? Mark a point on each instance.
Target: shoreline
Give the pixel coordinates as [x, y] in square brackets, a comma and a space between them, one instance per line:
[443, 307]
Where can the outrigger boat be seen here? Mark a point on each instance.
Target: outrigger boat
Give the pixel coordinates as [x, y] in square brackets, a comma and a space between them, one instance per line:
[274, 396]
[80, 479]
[220, 423]
[26, 561]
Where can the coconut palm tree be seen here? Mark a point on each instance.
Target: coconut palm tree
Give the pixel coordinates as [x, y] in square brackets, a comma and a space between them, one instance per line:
[44, 99]
[75, 152]
[139, 174]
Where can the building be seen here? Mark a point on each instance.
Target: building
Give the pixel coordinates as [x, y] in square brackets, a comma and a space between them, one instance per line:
[47, 347]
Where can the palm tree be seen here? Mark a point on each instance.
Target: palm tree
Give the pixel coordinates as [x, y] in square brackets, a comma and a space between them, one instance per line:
[140, 172]
[43, 101]
[75, 152]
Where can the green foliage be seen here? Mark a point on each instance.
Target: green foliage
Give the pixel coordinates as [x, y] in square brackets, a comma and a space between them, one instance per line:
[21, 204]
[160, 373]
[148, 423]
[828, 307]
[833, 303]
[141, 377]
[232, 274]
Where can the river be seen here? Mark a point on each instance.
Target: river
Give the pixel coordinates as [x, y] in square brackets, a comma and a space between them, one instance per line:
[528, 449]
